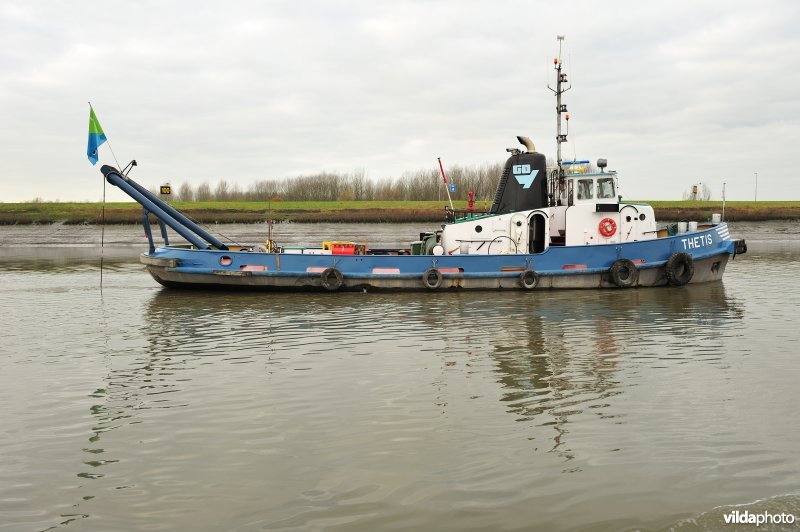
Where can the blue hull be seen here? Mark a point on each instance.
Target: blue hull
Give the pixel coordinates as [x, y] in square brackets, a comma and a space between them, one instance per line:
[556, 267]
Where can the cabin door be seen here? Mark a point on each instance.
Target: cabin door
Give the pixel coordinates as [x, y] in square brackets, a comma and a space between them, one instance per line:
[538, 232]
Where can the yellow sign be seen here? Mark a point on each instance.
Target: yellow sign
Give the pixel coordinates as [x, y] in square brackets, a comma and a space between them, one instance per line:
[166, 189]
[694, 189]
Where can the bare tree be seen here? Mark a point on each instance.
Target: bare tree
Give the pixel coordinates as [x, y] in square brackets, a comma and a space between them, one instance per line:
[235, 193]
[222, 191]
[185, 192]
[264, 190]
[203, 192]
[358, 184]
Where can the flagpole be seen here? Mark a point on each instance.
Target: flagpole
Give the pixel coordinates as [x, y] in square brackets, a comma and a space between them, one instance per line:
[103, 211]
[102, 235]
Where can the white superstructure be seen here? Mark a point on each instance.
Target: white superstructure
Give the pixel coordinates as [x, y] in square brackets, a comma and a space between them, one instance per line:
[589, 213]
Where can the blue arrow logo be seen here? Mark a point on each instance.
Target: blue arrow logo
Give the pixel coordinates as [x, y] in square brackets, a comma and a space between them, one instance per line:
[524, 175]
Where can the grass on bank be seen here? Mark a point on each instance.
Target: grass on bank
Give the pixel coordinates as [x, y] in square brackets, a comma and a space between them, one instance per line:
[735, 211]
[352, 211]
[233, 211]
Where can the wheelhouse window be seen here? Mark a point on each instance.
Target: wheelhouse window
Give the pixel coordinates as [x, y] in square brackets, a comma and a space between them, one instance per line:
[605, 187]
[585, 189]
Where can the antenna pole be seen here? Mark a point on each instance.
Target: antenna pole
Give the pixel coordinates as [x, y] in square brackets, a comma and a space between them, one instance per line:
[755, 198]
[561, 79]
[723, 201]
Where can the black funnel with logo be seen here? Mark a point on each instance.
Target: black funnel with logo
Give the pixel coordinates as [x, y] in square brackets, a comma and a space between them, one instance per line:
[523, 185]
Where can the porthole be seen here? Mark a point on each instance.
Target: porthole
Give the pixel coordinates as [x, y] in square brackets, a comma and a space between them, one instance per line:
[478, 228]
[225, 260]
[642, 217]
[627, 218]
[519, 224]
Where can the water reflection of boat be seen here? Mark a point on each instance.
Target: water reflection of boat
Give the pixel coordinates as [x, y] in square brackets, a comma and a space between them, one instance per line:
[558, 227]
[554, 358]
[559, 357]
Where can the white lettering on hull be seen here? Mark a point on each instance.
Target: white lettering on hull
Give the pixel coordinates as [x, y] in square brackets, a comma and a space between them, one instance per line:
[697, 242]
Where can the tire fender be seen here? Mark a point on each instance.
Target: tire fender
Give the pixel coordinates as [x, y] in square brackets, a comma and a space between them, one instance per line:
[679, 269]
[624, 273]
[432, 278]
[528, 279]
[332, 279]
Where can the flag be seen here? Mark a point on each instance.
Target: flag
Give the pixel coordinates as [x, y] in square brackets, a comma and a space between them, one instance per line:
[96, 136]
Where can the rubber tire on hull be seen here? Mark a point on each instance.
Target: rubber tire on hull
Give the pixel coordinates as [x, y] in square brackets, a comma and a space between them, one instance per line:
[680, 269]
[332, 279]
[528, 279]
[624, 273]
[432, 283]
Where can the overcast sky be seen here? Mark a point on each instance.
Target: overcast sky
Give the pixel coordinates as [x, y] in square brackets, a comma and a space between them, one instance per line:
[671, 93]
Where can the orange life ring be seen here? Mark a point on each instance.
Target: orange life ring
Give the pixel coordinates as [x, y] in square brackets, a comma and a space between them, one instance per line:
[607, 227]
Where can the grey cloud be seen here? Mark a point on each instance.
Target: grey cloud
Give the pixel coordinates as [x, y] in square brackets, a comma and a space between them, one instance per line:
[670, 93]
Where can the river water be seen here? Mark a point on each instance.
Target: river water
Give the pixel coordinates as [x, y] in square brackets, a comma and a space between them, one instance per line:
[141, 408]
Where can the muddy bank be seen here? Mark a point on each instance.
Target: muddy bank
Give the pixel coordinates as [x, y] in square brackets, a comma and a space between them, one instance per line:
[352, 212]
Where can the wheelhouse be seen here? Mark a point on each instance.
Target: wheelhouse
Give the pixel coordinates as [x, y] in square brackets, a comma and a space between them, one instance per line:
[590, 188]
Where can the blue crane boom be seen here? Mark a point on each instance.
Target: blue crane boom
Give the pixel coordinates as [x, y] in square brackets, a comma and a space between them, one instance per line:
[165, 213]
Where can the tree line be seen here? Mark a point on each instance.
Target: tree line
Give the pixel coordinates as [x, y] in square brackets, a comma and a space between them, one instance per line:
[419, 185]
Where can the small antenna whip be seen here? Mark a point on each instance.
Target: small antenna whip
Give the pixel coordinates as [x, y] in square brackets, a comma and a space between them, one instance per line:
[446, 188]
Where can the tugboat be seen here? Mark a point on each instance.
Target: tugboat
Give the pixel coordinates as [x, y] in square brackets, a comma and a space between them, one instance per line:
[564, 227]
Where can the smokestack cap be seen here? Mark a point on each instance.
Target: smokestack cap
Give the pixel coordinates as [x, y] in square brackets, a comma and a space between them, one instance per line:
[528, 143]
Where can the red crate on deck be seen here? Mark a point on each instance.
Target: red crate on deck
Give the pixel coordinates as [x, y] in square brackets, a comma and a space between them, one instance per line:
[340, 247]
[343, 248]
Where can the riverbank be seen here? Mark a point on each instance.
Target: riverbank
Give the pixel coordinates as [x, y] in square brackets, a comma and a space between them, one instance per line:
[352, 211]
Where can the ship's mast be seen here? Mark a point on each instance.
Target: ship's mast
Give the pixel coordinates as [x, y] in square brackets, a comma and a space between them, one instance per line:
[561, 79]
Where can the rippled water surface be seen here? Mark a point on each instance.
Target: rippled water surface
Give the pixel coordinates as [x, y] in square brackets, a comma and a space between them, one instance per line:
[151, 409]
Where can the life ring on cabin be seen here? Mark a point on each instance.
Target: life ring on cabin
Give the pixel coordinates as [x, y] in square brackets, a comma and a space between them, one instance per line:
[624, 273]
[528, 279]
[332, 279]
[607, 227]
[680, 269]
[432, 278]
